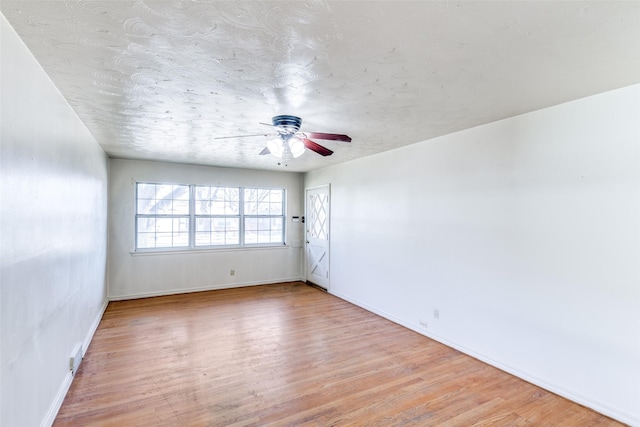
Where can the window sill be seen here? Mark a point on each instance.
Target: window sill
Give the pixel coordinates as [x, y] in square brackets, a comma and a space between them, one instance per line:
[206, 250]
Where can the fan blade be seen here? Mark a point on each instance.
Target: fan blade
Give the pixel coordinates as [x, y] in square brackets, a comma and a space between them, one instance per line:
[314, 146]
[328, 136]
[242, 136]
[265, 151]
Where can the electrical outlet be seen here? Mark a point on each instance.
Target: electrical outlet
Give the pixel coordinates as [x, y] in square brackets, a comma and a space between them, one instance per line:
[423, 323]
[436, 314]
[232, 272]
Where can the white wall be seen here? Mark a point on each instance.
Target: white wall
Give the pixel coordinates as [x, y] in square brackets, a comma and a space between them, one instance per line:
[139, 275]
[53, 229]
[524, 234]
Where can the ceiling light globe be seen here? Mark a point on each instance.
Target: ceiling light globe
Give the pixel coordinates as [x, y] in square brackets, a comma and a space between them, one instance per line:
[297, 147]
[275, 147]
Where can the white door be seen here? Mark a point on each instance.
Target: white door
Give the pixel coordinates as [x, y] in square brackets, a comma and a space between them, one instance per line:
[317, 235]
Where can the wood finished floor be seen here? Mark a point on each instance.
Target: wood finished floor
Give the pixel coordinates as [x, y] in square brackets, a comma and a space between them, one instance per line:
[289, 355]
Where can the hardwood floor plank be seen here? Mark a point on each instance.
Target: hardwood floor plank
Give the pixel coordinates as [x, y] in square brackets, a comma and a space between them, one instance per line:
[289, 355]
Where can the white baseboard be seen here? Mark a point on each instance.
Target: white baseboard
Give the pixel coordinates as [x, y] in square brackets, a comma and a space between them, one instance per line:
[200, 289]
[94, 327]
[68, 379]
[554, 388]
[57, 402]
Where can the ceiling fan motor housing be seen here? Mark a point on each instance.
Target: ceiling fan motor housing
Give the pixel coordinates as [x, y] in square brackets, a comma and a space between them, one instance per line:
[288, 123]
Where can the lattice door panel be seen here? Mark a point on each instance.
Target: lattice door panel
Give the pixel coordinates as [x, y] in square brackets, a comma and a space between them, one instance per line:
[318, 224]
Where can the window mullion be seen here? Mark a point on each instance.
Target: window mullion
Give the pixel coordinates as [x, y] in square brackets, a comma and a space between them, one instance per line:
[192, 216]
[241, 213]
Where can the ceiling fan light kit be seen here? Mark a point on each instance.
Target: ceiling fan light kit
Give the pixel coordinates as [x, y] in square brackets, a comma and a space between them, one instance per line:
[286, 148]
[291, 143]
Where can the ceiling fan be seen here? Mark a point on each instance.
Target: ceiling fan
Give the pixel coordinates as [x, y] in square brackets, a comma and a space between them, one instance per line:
[290, 142]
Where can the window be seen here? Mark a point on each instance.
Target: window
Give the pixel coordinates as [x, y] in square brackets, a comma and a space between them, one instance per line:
[217, 216]
[195, 216]
[162, 219]
[263, 216]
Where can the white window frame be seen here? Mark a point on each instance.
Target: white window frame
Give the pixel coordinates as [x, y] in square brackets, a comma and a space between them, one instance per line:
[214, 216]
[162, 216]
[263, 216]
[193, 217]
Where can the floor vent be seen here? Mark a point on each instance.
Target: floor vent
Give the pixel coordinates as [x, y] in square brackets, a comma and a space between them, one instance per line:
[76, 358]
[313, 285]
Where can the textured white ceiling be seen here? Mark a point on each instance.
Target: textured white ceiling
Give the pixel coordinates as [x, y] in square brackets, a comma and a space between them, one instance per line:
[161, 79]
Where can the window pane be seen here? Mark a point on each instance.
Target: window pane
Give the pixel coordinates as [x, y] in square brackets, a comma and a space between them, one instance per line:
[264, 236]
[250, 237]
[146, 191]
[164, 225]
[180, 231]
[263, 230]
[232, 234]
[276, 196]
[263, 201]
[276, 224]
[164, 192]
[231, 207]
[203, 239]
[146, 225]
[233, 238]
[217, 238]
[275, 208]
[181, 225]
[162, 199]
[250, 207]
[203, 207]
[203, 224]
[217, 207]
[180, 240]
[251, 224]
[163, 232]
[264, 223]
[146, 206]
[233, 201]
[146, 240]
[180, 207]
[220, 231]
[250, 201]
[263, 208]
[164, 240]
[203, 193]
[217, 200]
[163, 207]
[180, 192]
